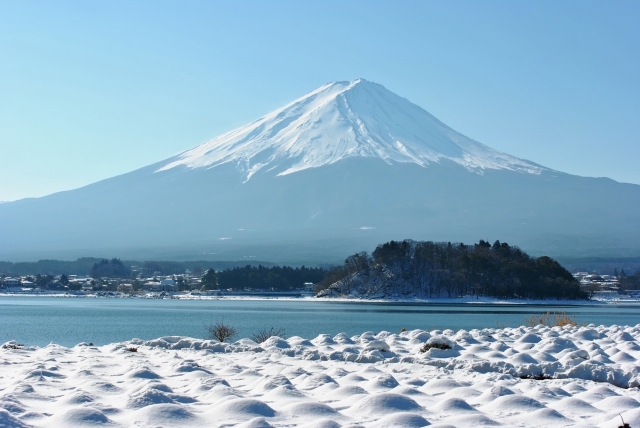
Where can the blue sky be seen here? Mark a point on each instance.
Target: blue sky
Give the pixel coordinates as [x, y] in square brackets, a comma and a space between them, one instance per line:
[89, 90]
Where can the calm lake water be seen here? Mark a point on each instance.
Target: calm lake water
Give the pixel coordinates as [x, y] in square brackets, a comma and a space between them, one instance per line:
[69, 321]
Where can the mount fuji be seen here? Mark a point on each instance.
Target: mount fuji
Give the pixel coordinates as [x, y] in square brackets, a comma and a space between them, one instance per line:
[343, 120]
[339, 170]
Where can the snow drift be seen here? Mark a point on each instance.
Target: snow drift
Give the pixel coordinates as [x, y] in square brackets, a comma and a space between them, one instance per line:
[372, 380]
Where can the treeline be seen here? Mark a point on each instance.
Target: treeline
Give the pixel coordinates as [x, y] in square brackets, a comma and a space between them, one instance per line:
[81, 266]
[197, 267]
[113, 268]
[629, 282]
[441, 269]
[277, 278]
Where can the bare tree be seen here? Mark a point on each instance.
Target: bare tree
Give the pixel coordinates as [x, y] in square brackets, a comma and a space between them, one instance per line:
[221, 330]
[264, 334]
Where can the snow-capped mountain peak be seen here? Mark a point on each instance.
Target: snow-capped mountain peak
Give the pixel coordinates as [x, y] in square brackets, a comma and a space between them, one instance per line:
[342, 120]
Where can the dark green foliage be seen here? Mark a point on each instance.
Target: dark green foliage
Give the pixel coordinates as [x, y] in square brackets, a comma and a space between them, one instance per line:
[42, 280]
[74, 286]
[210, 280]
[196, 267]
[64, 280]
[113, 268]
[630, 282]
[275, 278]
[443, 269]
[182, 284]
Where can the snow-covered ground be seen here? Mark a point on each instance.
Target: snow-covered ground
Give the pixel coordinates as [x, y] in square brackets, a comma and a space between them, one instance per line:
[371, 380]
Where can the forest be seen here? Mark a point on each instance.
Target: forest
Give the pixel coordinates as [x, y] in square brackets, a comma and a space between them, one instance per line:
[113, 268]
[441, 269]
[83, 266]
[275, 278]
[629, 282]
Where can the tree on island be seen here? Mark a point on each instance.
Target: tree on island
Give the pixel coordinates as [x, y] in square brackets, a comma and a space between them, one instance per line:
[444, 269]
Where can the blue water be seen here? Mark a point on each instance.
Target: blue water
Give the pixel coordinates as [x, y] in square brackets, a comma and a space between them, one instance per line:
[69, 321]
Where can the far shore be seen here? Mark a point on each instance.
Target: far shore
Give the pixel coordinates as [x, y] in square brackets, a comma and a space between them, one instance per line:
[471, 300]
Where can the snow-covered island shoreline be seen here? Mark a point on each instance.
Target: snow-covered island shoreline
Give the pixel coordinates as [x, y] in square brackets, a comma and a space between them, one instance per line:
[540, 376]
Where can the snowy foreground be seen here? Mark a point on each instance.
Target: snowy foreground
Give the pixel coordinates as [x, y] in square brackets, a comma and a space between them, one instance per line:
[368, 380]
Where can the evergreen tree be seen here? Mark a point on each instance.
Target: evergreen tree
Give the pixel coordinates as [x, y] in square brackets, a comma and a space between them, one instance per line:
[210, 280]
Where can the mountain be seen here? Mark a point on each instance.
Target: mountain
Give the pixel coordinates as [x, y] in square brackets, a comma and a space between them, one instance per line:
[339, 170]
[343, 120]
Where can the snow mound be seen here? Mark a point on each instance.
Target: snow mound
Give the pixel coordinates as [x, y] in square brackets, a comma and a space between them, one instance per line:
[402, 420]
[385, 403]
[546, 377]
[244, 408]
[83, 417]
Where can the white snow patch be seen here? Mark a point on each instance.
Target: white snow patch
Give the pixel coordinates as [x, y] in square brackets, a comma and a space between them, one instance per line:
[343, 120]
[373, 380]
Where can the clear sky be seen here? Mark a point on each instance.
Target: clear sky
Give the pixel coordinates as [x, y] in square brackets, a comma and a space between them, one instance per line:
[93, 89]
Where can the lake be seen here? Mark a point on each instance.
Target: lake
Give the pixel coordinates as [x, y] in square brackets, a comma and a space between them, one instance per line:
[69, 321]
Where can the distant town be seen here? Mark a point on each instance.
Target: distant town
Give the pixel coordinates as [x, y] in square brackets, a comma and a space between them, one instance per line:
[113, 278]
[151, 287]
[609, 286]
[157, 285]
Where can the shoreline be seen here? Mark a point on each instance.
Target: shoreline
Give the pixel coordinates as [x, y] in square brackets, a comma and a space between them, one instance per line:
[417, 302]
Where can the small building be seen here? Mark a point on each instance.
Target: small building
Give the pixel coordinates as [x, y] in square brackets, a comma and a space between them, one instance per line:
[152, 285]
[11, 282]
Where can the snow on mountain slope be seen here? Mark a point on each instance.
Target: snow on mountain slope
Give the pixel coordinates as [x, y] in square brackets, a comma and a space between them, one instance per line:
[342, 120]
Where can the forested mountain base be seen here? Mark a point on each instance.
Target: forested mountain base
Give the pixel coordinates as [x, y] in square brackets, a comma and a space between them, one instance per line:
[425, 269]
